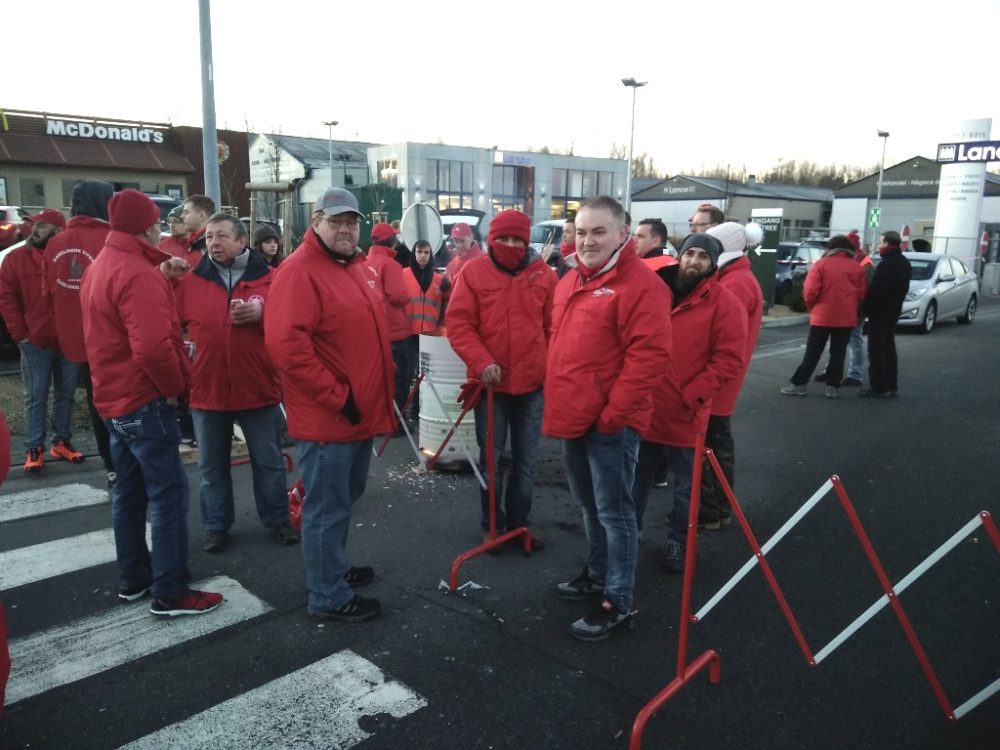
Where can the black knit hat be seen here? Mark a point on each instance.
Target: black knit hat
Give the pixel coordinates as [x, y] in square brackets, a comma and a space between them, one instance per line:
[706, 242]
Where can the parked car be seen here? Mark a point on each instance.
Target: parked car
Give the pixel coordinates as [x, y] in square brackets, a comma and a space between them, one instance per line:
[165, 203]
[941, 287]
[793, 267]
[10, 224]
[547, 232]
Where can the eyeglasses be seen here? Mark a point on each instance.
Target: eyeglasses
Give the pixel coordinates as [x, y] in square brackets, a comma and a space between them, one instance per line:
[339, 222]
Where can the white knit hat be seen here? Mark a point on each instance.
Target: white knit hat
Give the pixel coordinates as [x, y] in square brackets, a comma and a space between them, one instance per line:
[736, 238]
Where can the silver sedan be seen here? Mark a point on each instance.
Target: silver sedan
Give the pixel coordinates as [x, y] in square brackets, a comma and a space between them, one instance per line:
[941, 287]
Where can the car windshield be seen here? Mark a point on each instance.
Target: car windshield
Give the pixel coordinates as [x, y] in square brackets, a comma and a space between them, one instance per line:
[921, 270]
[541, 235]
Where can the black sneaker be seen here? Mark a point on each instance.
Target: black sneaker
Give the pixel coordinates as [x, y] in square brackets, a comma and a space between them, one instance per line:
[357, 577]
[356, 610]
[283, 533]
[673, 561]
[603, 619]
[725, 515]
[215, 541]
[581, 587]
[134, 593]
[709, 520]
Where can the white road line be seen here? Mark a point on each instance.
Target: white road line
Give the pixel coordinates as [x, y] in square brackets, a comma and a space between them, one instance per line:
[50, 559]
[777, 350]
[126, 632]
[49, 500]
[317, 706]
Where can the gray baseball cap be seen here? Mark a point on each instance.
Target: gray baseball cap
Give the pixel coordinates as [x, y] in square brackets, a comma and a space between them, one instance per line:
[338, 201]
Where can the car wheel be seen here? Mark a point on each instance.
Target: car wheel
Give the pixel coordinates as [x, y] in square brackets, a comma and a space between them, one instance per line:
[930, 317]
[970, 312]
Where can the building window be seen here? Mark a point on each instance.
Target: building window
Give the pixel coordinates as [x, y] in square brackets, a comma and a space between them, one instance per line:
[32, 192]
[388, 173]
[511, 185]
[449, 183]
[571, 186]
[174, 191]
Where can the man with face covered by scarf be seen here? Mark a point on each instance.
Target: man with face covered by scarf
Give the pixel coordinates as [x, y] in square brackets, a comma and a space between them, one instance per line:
[709, 334]
[499, 321]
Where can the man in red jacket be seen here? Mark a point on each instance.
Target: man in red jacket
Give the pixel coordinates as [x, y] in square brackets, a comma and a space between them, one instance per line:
[24, 305]
[389, 282]
[709, 336]
[140, 370]
[609, 348]
[498, 322]
[735, 275]
[833, 291]
[327, 335]
[67, 256]
[195, 212]
[177, 242]
[466, 249]
[222, 303]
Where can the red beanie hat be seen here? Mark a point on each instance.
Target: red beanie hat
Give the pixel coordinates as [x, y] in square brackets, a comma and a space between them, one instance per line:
[132, 212]
[510, 223]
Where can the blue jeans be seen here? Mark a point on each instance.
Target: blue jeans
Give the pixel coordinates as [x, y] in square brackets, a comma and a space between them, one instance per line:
[39, 369]
[401, 358]
[857, 349]
[262, 430]
[601, 470]
[520, 415]
[334, 475]
[681, 463]
[144, 452]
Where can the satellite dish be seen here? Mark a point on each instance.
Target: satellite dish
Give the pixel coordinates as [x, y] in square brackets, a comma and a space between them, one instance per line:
[421, 221]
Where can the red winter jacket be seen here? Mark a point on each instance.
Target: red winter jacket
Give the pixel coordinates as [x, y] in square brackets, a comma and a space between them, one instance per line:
[231, 370]
[609, 349]
[69, 254]
[497, 317]
[389, 283]
[423, 309]
[131, 328]
[24, 302]
[456, 264]
[833, 290]
[709, 337]
[740, 281]
[197, 247]
[176, 246]
[327, 335]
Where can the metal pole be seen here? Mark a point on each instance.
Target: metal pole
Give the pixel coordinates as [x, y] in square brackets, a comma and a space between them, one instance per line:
[884, 135]
[209, 137]
[631, 141]
[329, 142]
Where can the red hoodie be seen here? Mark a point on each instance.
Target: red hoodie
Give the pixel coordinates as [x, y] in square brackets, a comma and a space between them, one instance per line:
[69, 254]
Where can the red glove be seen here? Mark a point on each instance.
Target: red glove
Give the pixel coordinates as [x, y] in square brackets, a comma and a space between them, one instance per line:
[470, 393]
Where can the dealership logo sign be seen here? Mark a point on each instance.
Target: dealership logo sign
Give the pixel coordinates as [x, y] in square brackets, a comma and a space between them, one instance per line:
[961, 153]
[103, 132]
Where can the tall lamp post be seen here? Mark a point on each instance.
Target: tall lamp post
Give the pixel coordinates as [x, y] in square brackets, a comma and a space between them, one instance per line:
[884, 135]
[633, 84]
[330, 125]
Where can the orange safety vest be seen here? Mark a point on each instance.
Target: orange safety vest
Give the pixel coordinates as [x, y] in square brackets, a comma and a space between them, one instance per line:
[424, 308]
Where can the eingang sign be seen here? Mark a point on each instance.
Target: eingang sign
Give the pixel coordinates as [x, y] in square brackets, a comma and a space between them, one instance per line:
[103, 132]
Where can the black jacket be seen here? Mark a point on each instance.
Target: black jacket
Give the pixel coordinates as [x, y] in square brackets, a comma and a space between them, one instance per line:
[889, 286]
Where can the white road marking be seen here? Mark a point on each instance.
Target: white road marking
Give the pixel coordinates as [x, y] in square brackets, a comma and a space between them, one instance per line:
[50, 559]
[121, 635]
[316, 707]
[49, 500]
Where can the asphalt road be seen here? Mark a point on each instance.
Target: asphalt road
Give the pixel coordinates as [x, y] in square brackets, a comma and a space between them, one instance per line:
[494, 667]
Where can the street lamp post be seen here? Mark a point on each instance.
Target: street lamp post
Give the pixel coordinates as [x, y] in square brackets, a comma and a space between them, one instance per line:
[633, 84]
[884, 135]
[330, 125]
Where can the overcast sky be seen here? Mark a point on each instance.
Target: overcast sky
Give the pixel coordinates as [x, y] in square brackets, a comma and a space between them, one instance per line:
[729, 83]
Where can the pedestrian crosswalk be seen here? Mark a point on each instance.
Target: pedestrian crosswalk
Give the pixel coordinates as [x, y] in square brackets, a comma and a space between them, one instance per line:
[322, 701]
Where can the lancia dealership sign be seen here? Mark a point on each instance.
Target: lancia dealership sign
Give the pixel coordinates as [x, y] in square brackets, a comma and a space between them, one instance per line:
[976, 151]
[103, 132]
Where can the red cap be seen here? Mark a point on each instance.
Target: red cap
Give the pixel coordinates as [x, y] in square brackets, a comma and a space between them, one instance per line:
[382, 231]
[461, 231]
[49, 216]
[132, 212]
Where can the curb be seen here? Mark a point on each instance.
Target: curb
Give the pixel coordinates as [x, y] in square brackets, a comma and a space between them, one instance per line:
[788, 320]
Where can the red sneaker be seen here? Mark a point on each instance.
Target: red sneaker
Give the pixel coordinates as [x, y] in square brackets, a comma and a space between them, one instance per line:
[34, 460]
[192, 603]
[63, 449]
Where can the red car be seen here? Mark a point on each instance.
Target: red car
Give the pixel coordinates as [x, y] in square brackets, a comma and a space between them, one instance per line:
[10, 225]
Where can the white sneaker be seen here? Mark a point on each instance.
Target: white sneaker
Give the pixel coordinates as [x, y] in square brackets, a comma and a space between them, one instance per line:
[832, 391]
[793, 390]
